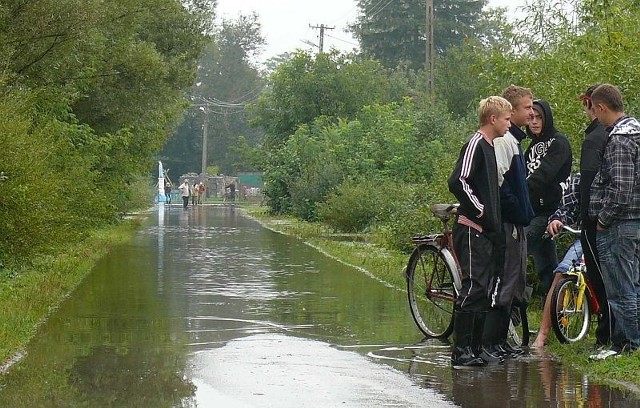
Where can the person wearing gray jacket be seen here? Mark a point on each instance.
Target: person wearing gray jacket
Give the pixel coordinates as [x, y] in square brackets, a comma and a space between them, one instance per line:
[615, 206]
[516, 211]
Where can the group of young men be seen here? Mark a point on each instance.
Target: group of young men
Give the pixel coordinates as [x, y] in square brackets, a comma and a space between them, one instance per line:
[507, 197]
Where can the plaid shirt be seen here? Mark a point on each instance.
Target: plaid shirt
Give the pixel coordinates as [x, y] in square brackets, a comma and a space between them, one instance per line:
[569, 211]
[615, 192]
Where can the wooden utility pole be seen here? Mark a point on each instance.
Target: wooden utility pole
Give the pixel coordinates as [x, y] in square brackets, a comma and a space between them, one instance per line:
[430, 62]
[322, 27]
[205, 128]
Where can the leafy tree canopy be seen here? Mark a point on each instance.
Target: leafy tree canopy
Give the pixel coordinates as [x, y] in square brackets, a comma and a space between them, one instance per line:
[331, 85]
[91, 90]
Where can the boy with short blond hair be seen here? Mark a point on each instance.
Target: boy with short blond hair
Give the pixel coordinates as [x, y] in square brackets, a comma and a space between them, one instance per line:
[477, 232]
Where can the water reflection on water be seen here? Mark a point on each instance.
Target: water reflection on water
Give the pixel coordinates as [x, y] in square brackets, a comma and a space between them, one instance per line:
[196, 286]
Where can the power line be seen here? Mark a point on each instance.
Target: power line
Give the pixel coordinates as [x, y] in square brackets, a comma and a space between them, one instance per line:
[343, 40]
[345, 14]
[380, 10]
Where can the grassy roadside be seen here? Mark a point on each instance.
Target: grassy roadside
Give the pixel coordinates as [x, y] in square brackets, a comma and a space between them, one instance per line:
[387, 266]
[28, 296]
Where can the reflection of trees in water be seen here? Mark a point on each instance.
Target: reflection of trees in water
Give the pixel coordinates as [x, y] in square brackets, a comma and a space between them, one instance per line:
[111, 377]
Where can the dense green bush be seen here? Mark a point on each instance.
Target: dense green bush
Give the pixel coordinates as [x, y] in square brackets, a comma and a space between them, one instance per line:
[412, 215]
[52, 195]
[395, 158]
[277, 181]
[42, 188]
[393, 211]
[353, 207]
[312, 188]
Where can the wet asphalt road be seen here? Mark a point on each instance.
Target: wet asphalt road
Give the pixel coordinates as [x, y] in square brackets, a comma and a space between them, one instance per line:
[206, 308]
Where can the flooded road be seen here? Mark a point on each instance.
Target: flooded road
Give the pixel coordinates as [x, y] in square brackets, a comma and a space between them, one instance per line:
[206, 308]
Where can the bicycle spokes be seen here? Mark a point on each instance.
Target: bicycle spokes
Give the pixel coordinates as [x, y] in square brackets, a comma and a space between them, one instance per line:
[430, 291]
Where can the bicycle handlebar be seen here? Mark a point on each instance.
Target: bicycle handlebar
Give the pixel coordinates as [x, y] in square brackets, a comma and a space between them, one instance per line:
[571, 230]
[565, 228]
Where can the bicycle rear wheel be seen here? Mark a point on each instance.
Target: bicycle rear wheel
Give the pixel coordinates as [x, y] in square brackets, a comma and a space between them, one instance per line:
[431, 291]
[518, 334]
[569, 322]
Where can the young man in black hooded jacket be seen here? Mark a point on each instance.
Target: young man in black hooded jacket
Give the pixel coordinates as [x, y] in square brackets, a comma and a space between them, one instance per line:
[548, 160]
[590, 160]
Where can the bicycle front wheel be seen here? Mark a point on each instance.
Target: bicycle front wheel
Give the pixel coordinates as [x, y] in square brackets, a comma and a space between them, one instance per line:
[570, 322]
[431, 291]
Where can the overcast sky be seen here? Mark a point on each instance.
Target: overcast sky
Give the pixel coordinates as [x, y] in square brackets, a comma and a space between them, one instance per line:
[286, 23]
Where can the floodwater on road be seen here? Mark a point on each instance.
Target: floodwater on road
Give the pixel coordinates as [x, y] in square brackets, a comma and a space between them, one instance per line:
[206, 308]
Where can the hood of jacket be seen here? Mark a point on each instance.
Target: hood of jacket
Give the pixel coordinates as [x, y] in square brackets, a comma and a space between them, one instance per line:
[548, 128]
[628, 126]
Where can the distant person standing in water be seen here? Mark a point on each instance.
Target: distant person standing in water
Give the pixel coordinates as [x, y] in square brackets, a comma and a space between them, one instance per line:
[167, 192]
[201, 190]
[184, 192]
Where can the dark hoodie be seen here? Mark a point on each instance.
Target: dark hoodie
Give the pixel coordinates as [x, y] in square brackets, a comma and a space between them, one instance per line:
[590, 159]
[548, 160]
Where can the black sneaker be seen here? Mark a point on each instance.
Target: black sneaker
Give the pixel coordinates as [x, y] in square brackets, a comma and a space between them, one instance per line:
[465, 358]
[490, 357]
[513, 351]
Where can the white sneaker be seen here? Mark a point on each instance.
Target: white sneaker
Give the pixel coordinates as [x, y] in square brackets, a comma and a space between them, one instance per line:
[604, 354]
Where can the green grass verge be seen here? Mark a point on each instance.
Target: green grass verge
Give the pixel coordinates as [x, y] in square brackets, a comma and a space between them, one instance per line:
[360, 251]
[29, 295]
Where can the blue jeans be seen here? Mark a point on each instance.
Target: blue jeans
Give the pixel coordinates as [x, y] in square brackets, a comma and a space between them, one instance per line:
[543, 250]
[619, 247]
[571, 257]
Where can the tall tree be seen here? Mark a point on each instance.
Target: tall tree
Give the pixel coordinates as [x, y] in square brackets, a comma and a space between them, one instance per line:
[460, 80]
[227, 80]
[568, 50]
[120, 66]
[394, 32]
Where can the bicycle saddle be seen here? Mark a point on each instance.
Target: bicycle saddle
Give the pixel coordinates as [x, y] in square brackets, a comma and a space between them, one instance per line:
[444, 211]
